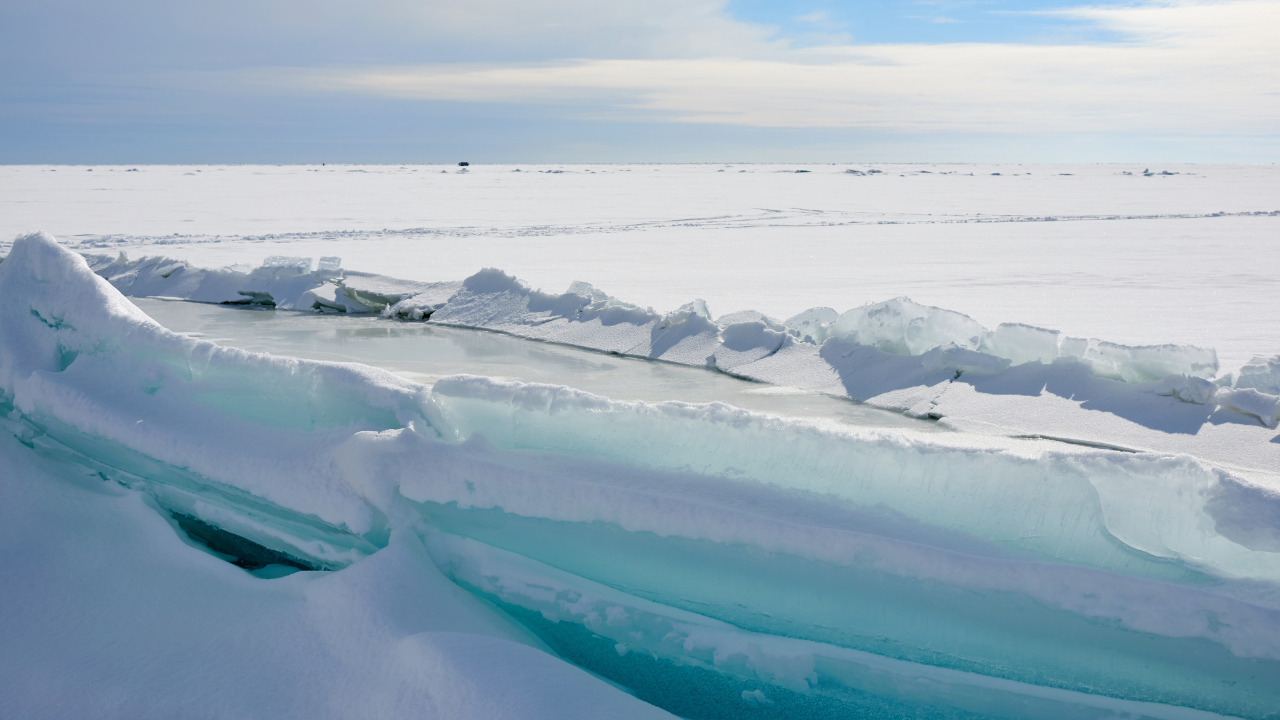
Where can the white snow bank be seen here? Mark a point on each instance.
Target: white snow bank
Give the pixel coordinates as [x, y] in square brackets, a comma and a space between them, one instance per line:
[109, 614]
[78, 354]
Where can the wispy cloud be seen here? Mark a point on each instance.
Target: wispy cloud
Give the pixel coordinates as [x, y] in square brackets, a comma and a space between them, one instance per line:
[936, 19]
[1185, 67]
[817, 17]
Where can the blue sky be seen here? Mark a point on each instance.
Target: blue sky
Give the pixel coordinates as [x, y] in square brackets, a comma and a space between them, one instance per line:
[151, 81]
[910, 21]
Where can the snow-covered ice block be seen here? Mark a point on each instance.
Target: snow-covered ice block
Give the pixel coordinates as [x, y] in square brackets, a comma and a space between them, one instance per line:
[1261, 374]
[812, 325]
[1249, 401]
[329, 263]
[751, 316]
[1184, 387]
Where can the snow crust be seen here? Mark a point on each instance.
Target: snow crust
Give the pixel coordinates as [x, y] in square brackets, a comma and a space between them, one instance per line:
[757, 559]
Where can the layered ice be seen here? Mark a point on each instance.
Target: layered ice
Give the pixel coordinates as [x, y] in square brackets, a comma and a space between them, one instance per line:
[716, 561]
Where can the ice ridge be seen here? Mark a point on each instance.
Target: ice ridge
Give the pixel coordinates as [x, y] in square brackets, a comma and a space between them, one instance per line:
[746, 557]
[896, 354]
[497, 301]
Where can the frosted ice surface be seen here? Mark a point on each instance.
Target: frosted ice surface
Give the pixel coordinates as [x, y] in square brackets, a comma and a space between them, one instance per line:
[586, 289]
[329, 263]
[1024, 343]
[903, 327]
[300, 264]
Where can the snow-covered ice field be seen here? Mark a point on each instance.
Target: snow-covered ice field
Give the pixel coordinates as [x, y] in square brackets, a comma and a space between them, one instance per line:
[1086, 249]
[729, 472]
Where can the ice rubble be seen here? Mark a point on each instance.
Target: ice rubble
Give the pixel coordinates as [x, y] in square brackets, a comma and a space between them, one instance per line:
[711, 559]
[286, 283]
[589, 317]
[897, 354]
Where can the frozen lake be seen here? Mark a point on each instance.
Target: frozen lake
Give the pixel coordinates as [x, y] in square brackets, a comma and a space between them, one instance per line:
[1084, 530]
[425, 353]
[1089, 250]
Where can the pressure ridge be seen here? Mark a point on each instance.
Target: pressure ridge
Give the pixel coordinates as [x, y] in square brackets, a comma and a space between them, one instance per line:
[717, 563]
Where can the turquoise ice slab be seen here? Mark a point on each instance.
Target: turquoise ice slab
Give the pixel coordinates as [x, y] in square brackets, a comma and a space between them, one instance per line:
[998, 634]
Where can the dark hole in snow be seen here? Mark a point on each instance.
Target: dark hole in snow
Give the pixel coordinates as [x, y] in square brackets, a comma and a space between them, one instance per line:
[238, 551]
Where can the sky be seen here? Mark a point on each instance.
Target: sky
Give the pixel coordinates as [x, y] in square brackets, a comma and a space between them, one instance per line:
[403, 81]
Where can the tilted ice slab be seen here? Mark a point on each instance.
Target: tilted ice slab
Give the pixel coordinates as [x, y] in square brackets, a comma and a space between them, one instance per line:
[746, 558]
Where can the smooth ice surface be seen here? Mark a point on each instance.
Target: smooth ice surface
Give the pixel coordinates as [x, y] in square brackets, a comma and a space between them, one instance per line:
[1084, 249]
[713, 559]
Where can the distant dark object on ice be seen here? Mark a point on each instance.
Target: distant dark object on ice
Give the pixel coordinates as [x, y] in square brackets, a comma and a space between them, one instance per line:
[463, 164]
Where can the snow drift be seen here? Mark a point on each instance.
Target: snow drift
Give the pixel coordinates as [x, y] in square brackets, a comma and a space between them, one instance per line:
[720, 563]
